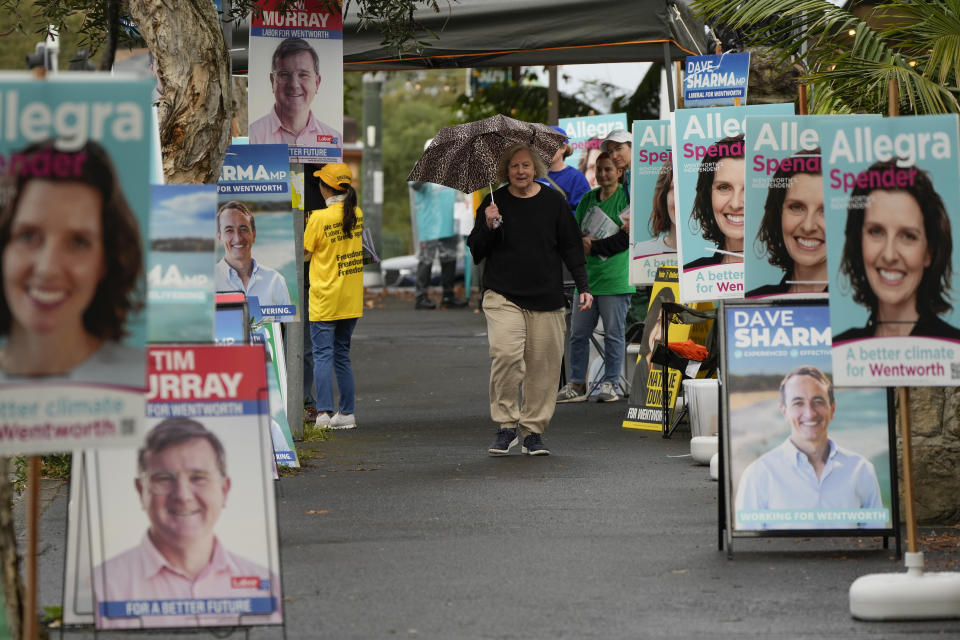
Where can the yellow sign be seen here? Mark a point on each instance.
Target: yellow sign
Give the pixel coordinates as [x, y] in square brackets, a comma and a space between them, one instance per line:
[645, 410]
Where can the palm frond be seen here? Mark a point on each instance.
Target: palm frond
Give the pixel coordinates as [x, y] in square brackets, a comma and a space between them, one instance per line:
[930, 32]
[849, 63]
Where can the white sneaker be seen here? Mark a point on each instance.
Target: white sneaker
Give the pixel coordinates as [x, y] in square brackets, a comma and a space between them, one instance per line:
[343, 421]
[323, 419]
[569, 393]
[607, 392]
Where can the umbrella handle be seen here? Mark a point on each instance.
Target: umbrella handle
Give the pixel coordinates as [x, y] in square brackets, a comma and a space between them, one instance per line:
[496, 223]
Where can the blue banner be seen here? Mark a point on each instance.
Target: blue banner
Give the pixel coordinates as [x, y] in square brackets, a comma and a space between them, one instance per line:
[716, 80]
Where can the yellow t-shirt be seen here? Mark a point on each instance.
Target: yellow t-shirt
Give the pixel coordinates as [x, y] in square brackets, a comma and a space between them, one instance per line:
[336, 266]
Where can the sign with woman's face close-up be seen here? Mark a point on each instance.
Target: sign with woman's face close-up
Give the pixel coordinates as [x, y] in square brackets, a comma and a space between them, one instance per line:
[891, 190]
[74, 203]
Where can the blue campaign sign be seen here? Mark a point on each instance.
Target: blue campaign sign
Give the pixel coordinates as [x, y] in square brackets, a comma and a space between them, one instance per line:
[716, 81]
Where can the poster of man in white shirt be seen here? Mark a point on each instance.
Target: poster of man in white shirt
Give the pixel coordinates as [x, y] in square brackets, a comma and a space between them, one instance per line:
[295, 91]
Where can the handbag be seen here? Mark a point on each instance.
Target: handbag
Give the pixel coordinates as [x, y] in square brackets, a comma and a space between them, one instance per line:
[369, 251]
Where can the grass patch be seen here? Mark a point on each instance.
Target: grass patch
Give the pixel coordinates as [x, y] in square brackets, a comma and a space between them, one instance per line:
[55, 466]
[313, 433]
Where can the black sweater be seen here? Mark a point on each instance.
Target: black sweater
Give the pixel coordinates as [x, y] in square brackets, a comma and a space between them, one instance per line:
[524, 254]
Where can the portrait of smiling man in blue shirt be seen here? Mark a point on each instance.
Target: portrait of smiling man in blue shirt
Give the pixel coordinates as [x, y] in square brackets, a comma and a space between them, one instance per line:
[808, 482]
[238, 270]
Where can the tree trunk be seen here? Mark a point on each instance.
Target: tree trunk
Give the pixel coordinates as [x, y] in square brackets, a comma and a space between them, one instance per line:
[193, 65]
[12, 586]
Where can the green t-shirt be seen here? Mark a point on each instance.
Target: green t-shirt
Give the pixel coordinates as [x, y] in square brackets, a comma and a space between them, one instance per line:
[607, 276]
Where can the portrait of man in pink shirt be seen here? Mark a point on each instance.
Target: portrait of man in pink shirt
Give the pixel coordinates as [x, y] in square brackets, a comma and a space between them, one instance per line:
[294, 80]
[180, 574]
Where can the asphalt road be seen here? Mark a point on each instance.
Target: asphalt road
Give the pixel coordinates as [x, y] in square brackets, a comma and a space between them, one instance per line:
[406, 528]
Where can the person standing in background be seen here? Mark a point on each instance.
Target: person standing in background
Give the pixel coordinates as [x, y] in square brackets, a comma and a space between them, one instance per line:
[333, 237]
[433, 206]
[619, 144]
[607, 273]
[570, 181]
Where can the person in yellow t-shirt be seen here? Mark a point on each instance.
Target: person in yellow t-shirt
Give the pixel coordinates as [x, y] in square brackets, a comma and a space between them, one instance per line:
[333, 240]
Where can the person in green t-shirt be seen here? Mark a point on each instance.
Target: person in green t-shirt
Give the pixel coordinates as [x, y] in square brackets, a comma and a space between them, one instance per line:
[602, 209]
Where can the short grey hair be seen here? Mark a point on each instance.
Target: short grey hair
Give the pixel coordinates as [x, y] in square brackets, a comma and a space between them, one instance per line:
[503, 173]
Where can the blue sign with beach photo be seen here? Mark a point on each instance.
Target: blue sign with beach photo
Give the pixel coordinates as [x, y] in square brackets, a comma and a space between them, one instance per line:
[180, 263]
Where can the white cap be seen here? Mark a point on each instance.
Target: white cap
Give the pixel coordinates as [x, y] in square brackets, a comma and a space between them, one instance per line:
[617, 135]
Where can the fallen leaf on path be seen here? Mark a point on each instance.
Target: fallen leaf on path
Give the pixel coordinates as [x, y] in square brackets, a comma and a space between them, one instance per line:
[317, 511]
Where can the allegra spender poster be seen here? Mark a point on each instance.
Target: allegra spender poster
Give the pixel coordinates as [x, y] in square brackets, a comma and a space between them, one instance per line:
[892, 205]
[653, 226]
[785, 238]
[74, 189]
[709, 174]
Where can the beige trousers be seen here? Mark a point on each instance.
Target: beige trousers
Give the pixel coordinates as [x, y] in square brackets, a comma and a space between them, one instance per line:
[526, 351]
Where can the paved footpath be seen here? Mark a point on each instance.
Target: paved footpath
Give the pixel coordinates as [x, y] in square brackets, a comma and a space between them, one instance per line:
[406, 528]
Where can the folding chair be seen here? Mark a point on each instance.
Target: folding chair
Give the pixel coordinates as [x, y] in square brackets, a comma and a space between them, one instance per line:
[668, 359]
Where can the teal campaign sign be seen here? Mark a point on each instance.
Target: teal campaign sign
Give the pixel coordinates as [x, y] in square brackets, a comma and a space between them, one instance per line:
[892, 203]
[75, 166]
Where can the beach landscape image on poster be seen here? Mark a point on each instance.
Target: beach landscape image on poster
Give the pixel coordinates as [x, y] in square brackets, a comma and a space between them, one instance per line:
[180, 281]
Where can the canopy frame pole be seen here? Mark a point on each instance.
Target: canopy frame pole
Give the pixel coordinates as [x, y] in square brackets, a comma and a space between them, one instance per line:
[667, 64]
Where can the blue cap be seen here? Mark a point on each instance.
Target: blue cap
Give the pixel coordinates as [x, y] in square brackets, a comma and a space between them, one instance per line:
[556, 128]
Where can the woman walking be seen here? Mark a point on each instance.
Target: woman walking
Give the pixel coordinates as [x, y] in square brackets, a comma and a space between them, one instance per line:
[525, 233]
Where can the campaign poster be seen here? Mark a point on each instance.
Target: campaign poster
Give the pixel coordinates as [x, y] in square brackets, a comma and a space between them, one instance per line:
[716, 80]
[892, 208]
[74, 178]
[180, 263]
[802, 454]
[77, 573]
[297, 187]
[785, 252]
[283, 448]
[645, 407]
[295, 91]
[198, 485]
[709, 174]
[586, 133]
[653, 227]
[256, 246]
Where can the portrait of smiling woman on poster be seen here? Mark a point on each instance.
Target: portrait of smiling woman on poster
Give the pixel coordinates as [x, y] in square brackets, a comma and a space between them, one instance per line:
[792, 233]
[70, 262]
[718, 206]
[897, 256]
